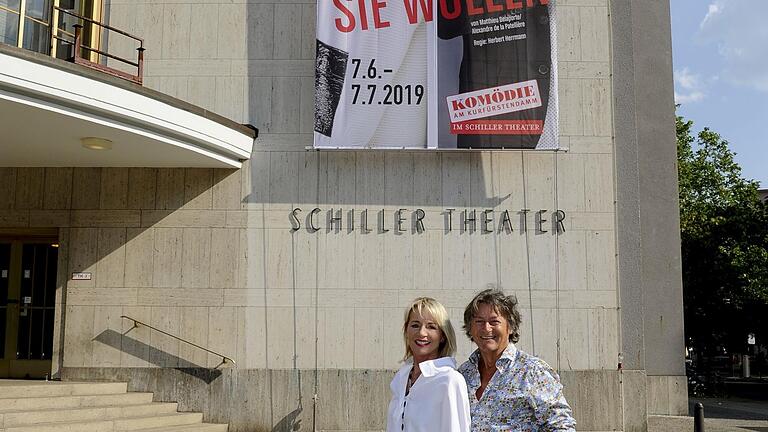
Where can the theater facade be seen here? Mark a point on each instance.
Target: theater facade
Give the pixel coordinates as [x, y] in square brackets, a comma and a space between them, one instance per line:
[176, 215]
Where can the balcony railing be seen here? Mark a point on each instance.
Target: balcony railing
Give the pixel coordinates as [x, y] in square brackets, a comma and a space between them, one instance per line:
[82, 53]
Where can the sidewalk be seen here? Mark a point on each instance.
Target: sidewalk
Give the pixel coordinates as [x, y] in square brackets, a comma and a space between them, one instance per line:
[733, 414]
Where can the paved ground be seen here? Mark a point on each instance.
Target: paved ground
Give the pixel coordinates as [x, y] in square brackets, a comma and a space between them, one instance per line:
[733, 414]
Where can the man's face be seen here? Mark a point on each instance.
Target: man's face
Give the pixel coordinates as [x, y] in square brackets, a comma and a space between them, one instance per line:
[489, 330]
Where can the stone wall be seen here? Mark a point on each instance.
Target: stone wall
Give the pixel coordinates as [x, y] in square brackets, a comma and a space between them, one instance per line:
[347, 400]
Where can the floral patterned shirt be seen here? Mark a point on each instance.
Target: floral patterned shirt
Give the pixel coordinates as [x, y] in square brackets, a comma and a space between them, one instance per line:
[524, 395]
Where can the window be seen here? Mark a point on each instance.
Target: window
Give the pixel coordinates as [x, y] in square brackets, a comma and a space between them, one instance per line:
[67, 17]
[27, 24]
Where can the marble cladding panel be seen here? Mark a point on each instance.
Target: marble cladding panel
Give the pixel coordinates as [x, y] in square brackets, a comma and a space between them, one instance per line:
[230, 100]
[194, 327]
[135, 342]
[58, 189]
[111, 260]
[196, 258]
[107, 333]
[197, 188]
[139, 262]
[202, 91]
[667, 395]
[177, 25]
[8, 188]
[79, 330]
[203, 40]
[142, 188]
[114, 188]
[29, 188]
[164, 349]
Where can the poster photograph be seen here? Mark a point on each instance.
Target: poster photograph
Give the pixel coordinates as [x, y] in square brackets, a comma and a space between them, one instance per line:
[436, 74]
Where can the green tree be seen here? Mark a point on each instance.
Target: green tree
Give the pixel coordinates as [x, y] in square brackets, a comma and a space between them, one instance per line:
[724, 233]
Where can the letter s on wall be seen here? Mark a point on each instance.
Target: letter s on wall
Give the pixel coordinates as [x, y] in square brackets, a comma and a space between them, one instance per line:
[295, 223]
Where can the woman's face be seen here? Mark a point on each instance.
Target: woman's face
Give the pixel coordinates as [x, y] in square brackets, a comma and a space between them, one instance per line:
[489, 330]
[424, 336]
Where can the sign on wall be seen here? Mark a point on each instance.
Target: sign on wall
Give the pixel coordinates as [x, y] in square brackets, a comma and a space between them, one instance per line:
[476, 74]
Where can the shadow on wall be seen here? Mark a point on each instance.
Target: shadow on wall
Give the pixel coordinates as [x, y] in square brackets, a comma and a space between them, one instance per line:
[290, 422]
[124, 226]
[386, 178]
[128, 345]
[101, 213]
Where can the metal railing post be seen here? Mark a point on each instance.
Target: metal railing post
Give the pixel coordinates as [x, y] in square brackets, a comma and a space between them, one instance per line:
[54, 26]
[698, 418]
[78, 40]
[140, 73]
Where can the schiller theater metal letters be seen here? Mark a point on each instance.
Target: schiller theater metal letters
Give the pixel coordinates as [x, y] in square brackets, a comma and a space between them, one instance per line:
[485, 221]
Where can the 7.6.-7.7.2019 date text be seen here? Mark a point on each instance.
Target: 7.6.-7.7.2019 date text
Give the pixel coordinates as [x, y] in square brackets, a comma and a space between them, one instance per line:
[388, 94]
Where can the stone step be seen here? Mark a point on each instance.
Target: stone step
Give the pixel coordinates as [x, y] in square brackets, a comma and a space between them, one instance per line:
[66, 402]
[13, 389]
[175, 419]
[158, 422]
[54, 406]
[202, 427]
[30, 417]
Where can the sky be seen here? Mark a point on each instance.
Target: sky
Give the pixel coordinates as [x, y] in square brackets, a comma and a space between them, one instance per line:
[720, 57]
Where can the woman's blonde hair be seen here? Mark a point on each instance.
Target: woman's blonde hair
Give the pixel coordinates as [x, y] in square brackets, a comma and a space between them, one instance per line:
[429, 306]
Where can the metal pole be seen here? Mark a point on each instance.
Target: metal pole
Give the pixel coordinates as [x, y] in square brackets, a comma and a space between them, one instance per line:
[78, 41]
[22, 22]
[745, 369]
[698, 418]
[140, 72]
[54, 26]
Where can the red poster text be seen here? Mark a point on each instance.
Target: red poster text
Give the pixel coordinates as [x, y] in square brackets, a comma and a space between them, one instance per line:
[368, 14]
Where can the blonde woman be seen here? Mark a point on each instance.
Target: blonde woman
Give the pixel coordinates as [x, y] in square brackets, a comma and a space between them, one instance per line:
[428, 394]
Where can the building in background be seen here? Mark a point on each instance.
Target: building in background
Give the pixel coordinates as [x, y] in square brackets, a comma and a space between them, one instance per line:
[124, 202]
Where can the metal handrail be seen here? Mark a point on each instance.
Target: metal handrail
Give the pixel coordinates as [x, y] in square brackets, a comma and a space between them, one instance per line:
[106, 54]
[224, 358]
[78, 46]
[92, 21]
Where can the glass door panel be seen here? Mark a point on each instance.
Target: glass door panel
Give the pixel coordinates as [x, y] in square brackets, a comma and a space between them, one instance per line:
[37, 26]
[90, 32]
[39, 10]
[37, 36]
[10, 4]
[38, 291]
[5, 270]
[9, 25]
[27, 307]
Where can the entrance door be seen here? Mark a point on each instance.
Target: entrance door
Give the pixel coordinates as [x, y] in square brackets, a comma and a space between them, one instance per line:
[27, 306]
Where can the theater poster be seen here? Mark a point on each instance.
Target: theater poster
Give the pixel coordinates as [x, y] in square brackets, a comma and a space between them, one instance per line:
[439, 74]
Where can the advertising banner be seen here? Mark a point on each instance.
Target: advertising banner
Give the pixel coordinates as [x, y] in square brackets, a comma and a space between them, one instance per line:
[440, 74]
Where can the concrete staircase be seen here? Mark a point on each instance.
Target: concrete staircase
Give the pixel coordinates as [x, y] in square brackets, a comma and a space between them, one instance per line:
[40, 406]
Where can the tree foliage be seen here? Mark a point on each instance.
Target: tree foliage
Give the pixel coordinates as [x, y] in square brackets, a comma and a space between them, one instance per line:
[724, 233]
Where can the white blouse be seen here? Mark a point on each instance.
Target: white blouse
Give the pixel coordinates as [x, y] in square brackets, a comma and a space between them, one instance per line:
[437, 401]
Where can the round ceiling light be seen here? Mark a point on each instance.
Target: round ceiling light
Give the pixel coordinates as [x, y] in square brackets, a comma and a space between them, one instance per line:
[95, 143]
